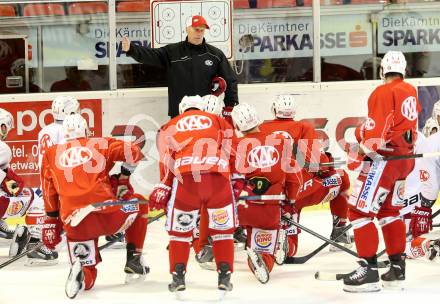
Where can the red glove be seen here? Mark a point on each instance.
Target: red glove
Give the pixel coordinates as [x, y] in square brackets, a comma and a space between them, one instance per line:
[12, 184]
[238, 185]
[218, 86]
[159, 197]
[51, 232]
[226, 113]
[421, 221]
[121, 187]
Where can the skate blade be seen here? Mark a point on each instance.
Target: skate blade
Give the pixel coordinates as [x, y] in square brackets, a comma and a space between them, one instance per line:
[180, 295]
[134, 278]
[39, 262]
[336, 249]
[73, 287]
[370, 287]
[393, 285]
[221, 294]
[260, 273]
[208, 266]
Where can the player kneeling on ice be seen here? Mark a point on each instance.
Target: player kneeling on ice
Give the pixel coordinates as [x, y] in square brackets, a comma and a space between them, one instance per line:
[390, 130]
[307, 146]
[74, 175]
[263, 161]
[14, 199]
[195, 169]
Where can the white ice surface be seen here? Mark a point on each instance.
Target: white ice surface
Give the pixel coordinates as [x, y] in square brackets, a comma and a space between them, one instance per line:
[288, 284]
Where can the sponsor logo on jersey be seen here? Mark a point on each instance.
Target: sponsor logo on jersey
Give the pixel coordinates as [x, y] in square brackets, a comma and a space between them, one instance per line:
[193, 122]
[361, 204]
[130, 208]
[401, 191]
[284, 134]
[424, 175]
[331, 181]
[209, 62]
[368, 182]
[185, 219]
[263, 157]
[220, 217]
[75, 156]
[409, 108]
[369, 124]
[81, 251]
[263, 238]
[211, 160]
[14, 208]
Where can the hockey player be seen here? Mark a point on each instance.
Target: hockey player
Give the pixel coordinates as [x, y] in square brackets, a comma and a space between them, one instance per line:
[390, 129]
[193, 166]
[262, 159]
[50, 135]
[14, 200]
[304, 138]
[74, 175]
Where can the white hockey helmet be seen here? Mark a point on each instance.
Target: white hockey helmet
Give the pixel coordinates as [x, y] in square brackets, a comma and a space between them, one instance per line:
[6, 123]
[74, 126]
[436, 111]
[212, 104]
[245, 117]
[393, 61]
[284, 106]
[189, 102]
[430, 125]
[63, 106]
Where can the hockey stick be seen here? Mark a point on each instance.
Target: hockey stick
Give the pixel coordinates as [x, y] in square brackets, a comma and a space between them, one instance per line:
[23, 254]
[81, 213]
[150, 220]
[298, 225]
[275, 197]
[388, 158]
[409, 233]
[304, 259]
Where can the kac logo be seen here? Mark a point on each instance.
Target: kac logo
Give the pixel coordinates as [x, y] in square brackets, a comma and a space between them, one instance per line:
[209, 62]
[75, 156]
[369, 124]
[263, 239]
[424, 175]
[193, 122]
[263, 157]
[409, 108]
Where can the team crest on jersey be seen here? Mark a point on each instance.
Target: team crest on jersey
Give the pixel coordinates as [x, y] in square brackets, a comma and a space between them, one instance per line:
[284, 134]
[424, 175]
[263, 157]
[409, 108]
[75, 156]
[209, 62]
[193, 122]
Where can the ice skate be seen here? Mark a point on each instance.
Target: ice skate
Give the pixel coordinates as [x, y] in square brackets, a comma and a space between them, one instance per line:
[41, 256]
[20, 239]
[135, 268]
[257, 265]
[75, 280]
[363, 279]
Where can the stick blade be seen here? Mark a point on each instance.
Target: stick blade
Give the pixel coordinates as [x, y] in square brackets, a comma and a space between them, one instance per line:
[329, 276]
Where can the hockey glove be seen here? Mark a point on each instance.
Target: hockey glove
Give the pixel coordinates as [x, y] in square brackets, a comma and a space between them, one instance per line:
[121, 187]
[421, 221]
[159, 197]
[51, 232]
[218, 86]
[226, 113]
[12, 184]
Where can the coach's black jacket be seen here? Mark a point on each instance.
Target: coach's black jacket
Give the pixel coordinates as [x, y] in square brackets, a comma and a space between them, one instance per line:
[190, 69]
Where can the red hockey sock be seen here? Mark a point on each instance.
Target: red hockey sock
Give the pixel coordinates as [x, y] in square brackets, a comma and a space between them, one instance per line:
[90, 274]
[135, 234]
[178, 254]
[293, 244]
[339, 207]
[394, 237]
[269, 260]
[196, 245]
[367, 240]
[224, 253]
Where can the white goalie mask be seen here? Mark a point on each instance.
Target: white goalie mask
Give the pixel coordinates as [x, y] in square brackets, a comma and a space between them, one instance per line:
[431, 126]
[6, 123]
[436, 111]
